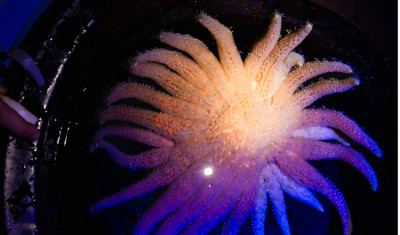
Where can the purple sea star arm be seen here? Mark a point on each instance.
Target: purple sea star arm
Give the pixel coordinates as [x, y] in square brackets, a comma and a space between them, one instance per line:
[297, 191]
[310, 94]
[303, 173]
[279, 206]
[218, 210]
[304, 73]
[318, 150]
[177, 193]
[148, 159]
[206, 194]
[134, 134]
[337, 120]
[260, 209]
[243, 207]
[161, 176]
[319, 133]
[272, 186]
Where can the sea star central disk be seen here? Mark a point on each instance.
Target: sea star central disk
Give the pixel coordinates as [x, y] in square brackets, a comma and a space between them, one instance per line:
[230, 134]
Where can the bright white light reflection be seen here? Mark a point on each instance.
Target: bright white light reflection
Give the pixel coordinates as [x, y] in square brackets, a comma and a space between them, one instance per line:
[254, 85]
[208, 171]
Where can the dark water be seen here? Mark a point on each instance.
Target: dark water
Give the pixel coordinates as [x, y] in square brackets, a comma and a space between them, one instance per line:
[69, 178]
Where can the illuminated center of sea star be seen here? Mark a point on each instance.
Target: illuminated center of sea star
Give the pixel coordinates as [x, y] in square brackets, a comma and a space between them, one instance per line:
[251, 124]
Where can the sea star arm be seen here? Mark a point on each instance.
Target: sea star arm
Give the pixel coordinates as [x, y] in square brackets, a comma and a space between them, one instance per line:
[279, 53]
[310, 94]
[260, 209]
[241, 210]
[134, 134]
[229, 56]
[159, 100]
[272, 186]
[147, 159]
[172, 127]
[170, 81]
[279, 206]
[304, 73]
[219, 209]
[317, 150]
[206, 194]
[297, 191]
[176, 194]
[337, 120]
[263, 48]
[187, 68]
[303, 173]
[319, 133]
[159, 177]
[200, 53]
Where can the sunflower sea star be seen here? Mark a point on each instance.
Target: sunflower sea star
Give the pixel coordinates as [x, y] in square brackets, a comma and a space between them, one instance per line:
[231, 134]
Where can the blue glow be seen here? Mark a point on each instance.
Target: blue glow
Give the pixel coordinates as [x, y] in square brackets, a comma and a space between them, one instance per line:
[16, 19]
